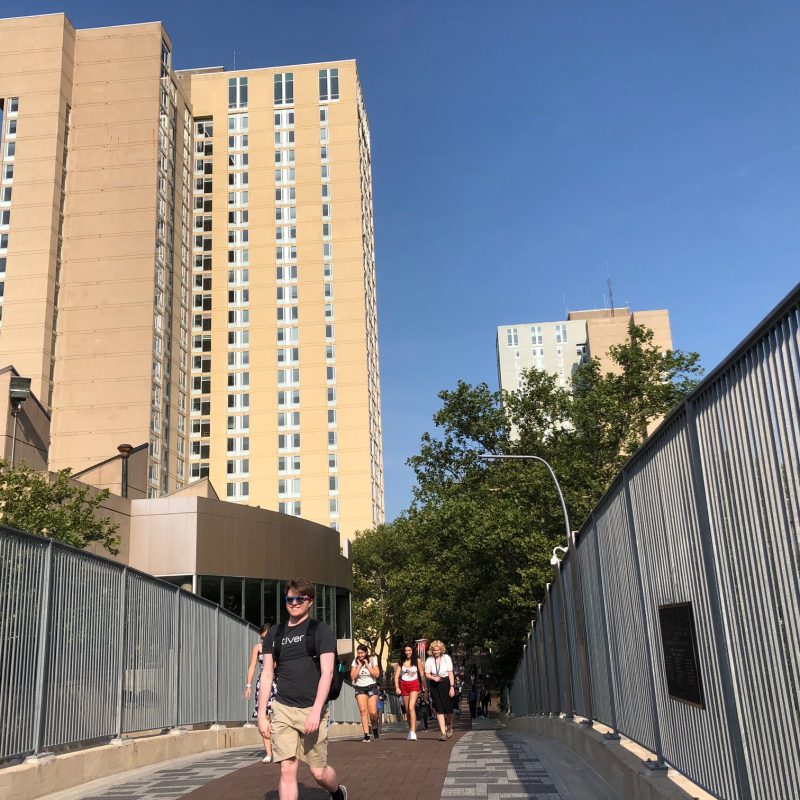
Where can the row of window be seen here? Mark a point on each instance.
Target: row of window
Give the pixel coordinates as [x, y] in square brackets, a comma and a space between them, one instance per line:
[283, 89]
[560, 331]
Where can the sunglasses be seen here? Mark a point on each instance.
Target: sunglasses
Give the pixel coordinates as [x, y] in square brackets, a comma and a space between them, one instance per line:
[296, 599]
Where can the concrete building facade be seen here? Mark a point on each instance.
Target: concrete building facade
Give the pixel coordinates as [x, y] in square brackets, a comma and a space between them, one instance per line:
[559, 348]
[187, 261]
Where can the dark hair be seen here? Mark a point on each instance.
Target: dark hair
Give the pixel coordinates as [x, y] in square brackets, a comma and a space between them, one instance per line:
[300, 585]
[262, 631]
[364, 648]
[403, 653]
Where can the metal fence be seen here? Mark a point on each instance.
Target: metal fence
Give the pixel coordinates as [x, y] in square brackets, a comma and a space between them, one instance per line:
[675, 617]
[92, 650]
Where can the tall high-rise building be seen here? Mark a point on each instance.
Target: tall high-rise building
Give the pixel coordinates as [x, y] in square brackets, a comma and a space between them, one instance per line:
[559, 348]
[187, 259]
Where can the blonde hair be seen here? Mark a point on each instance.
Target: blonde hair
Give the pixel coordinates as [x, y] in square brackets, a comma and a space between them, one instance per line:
[437, 643]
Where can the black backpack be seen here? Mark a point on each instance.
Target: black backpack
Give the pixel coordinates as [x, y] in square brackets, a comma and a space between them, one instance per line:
[339, 667]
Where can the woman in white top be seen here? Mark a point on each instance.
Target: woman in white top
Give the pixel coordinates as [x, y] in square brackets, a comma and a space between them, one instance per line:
[364, 672]
[439, 672]
[408, 684]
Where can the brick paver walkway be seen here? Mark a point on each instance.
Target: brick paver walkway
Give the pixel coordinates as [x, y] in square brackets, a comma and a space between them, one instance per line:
[389, 768]
[486, 762]
[177, 778]
[497, 765]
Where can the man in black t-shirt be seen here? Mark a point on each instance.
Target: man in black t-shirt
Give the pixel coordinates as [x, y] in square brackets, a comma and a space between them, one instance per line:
[299, 711]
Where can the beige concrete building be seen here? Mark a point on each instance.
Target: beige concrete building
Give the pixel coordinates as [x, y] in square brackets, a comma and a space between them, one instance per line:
[561, 347]
[187, 262]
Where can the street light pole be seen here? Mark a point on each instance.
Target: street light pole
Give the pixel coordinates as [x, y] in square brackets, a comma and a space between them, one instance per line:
[492, 457]
[577, 591]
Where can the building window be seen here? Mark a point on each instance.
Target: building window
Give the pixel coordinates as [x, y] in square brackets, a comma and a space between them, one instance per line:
[328, 85]
[536, 334]
[561, 332]
[512, 337]
[237, 93]
[288, 464]
[284, 119]
[284, 88]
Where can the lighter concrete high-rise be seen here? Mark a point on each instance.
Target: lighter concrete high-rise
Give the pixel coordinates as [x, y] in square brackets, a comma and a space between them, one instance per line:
[187, 259]
[559, 348]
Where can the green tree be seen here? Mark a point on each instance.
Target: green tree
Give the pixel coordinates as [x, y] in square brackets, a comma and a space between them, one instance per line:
[474, 547]
[56, 506]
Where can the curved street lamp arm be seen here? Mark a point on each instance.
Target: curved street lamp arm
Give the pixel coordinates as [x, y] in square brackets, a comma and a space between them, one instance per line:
[492, 457]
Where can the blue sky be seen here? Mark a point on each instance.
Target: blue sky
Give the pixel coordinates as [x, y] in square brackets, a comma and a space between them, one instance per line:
[525, 152]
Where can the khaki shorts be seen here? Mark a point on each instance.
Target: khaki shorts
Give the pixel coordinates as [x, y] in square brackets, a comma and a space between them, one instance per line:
[289, 739]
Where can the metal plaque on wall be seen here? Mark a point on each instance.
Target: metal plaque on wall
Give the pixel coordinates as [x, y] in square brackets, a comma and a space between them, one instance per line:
[679, 646]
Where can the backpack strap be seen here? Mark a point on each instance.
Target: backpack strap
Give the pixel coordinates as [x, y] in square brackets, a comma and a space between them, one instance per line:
[311, 640]
[276, 642]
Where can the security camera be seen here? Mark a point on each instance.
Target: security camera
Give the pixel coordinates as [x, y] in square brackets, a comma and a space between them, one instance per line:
[555, 559]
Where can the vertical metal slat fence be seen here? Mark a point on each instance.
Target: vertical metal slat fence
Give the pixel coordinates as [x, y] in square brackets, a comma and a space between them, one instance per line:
[707, 514]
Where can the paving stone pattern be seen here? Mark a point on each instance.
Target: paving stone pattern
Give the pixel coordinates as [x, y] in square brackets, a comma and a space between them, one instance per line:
[496, 765]
[173, 782]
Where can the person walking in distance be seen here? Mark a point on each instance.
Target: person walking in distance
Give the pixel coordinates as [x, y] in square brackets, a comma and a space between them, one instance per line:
[486, 700]
[439, 672]
[364, 673]
[408, 684]
[305, 652]
[472, 700]
[257, 657]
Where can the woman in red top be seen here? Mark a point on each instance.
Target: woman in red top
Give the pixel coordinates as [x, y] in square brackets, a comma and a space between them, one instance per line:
[408, 683]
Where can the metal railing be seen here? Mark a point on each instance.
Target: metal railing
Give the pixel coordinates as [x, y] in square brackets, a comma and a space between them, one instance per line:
[675, 619]
[91, 650]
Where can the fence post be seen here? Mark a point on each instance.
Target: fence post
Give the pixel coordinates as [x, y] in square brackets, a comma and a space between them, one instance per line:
[532, 675]
[523, 673]
[216, 665]
[612, 701]
[42, 649]
[732, 717]
[648, 650]
[554, 648]
[566, 650]
[580, 631]
[123, 638]
[176, 675]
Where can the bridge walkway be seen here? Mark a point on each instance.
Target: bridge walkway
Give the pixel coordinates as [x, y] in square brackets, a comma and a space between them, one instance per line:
[482, 760]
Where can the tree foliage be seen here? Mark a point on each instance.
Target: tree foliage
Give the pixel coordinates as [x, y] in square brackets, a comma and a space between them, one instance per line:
[54, 505]
[468, 561]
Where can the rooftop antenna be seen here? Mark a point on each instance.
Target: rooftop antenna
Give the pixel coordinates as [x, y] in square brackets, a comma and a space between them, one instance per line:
[610, 296]
[564, 300]
[234, 61]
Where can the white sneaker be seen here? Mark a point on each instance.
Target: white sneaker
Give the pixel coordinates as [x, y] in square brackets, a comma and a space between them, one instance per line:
[412, 736]
[266, 759]
[408, 736]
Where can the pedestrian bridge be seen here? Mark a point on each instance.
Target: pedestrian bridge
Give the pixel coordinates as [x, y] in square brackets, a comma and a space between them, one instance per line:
[673, 622]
